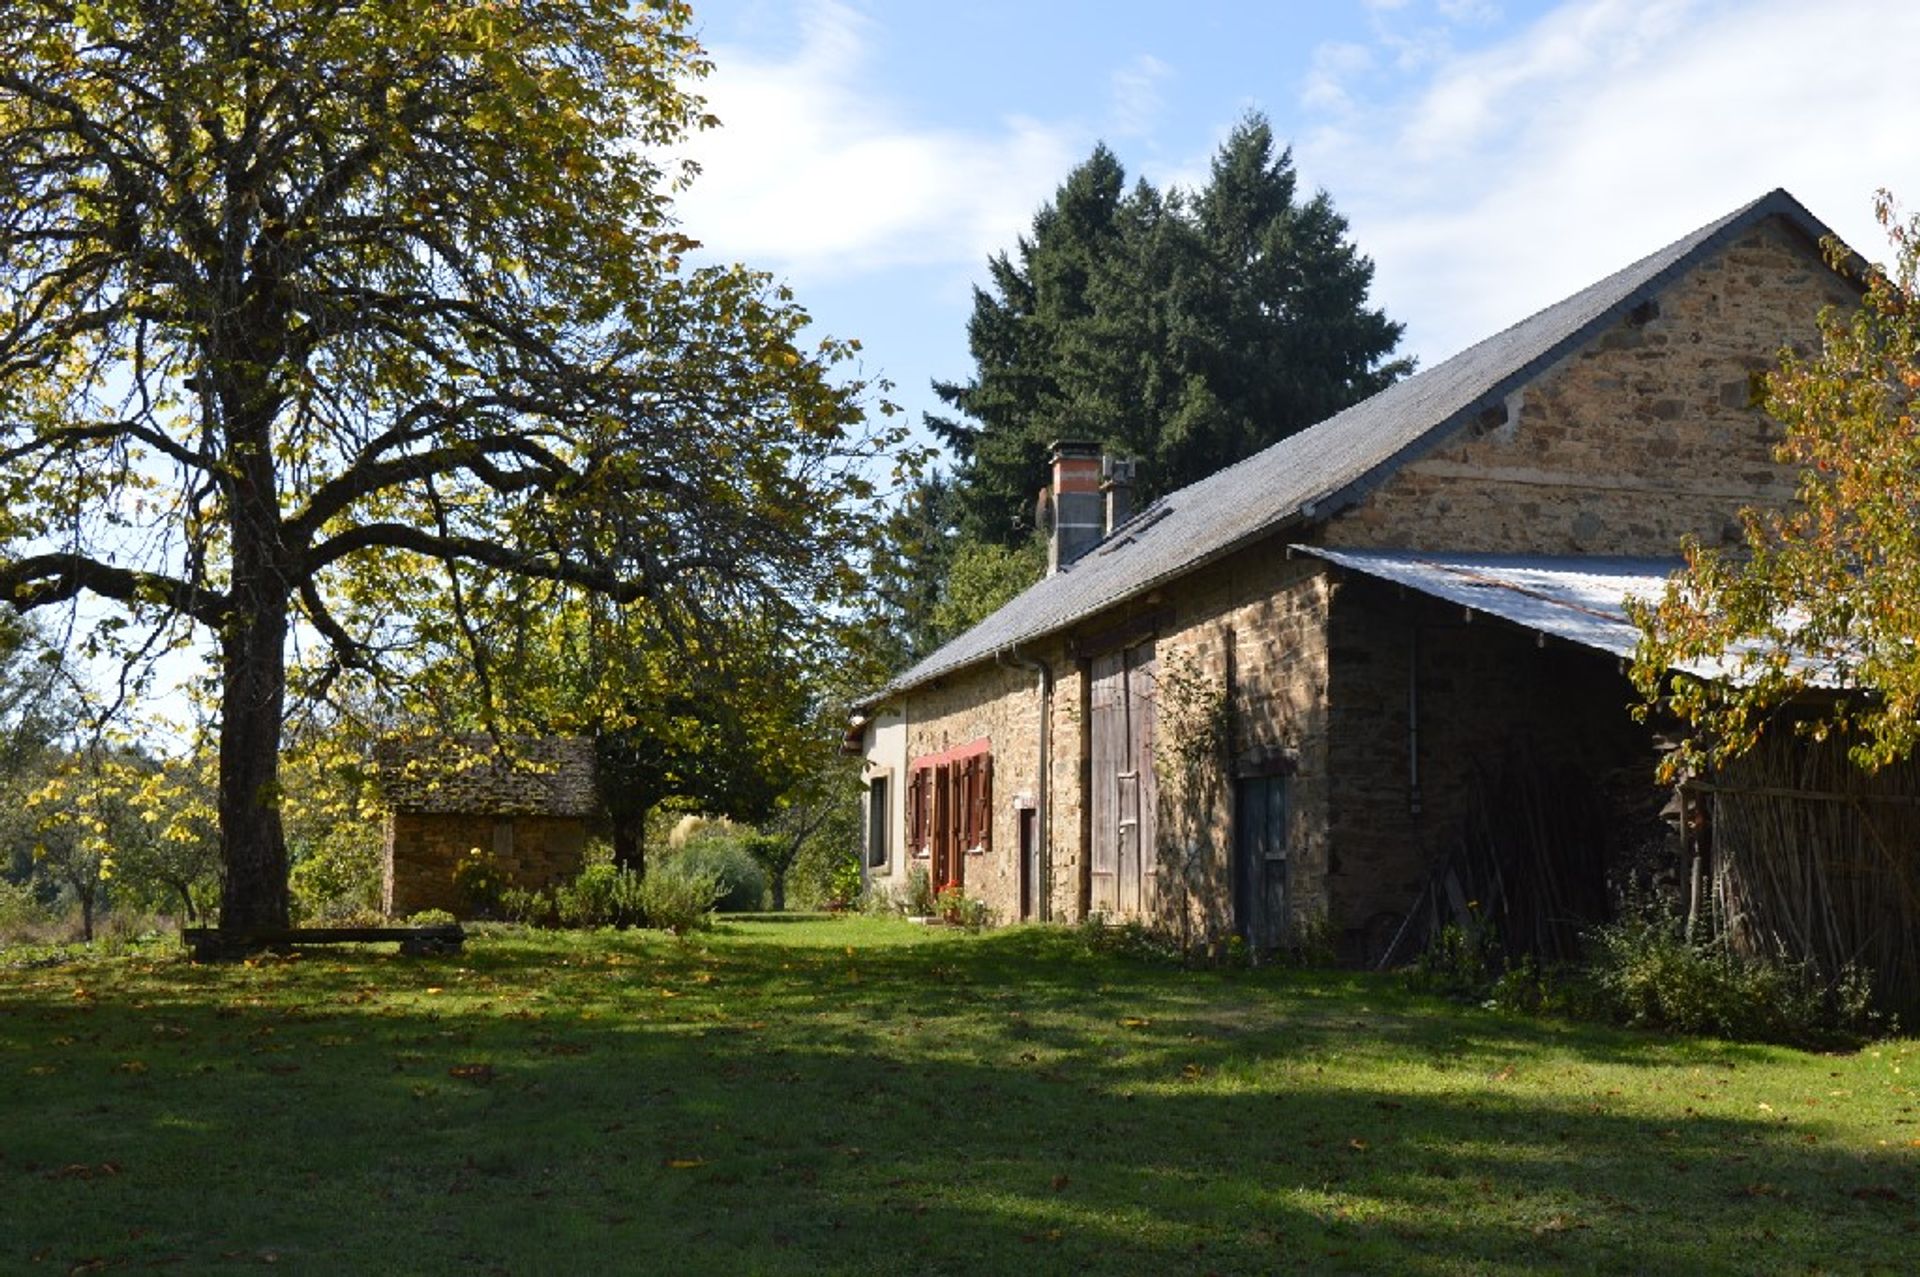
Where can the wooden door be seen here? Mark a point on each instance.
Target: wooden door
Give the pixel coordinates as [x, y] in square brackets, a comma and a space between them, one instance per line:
[1138, 875]
[1260, 861]
[1107, 730]
[1124, 794]
[949, 856]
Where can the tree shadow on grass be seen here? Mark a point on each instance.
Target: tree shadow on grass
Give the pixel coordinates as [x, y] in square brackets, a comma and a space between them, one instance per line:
[629, 1103]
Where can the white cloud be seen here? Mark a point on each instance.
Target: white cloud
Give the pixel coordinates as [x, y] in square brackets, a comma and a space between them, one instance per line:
[1503, 179]
[1334, 67]
[1137, 102]
[810, 176]
[1477, 13]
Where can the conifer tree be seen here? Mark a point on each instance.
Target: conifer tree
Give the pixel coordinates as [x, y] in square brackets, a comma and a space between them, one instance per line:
[1190, 330]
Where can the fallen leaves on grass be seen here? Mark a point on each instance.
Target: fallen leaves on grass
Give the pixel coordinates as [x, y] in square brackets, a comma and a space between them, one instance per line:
[685, 1163]
[480, 1074]
[84, 1170]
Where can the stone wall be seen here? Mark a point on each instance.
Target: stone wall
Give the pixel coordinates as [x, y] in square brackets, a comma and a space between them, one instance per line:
[1254, 627]
[1648, 434]
[1418, 689]
[422, 850]
[1001, 703]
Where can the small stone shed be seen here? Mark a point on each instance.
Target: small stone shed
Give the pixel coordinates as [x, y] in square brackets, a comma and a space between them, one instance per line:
[1279, 701]
[530, 806]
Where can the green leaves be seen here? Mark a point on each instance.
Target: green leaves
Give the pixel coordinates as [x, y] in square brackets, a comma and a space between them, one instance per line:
[1825, 593]
[379, 312]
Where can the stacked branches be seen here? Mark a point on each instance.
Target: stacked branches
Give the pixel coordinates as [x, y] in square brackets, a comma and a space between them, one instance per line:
[1814, 862]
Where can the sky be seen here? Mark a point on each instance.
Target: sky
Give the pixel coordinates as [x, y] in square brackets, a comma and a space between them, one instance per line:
[1491, 156]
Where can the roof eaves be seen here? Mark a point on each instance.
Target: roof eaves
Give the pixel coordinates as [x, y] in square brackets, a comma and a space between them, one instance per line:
[1777, 202]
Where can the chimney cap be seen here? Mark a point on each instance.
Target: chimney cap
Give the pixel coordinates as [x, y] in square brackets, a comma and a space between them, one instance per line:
[1073, 448]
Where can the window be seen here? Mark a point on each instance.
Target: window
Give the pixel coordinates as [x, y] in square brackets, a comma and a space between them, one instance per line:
[877, 823]
[950, 809]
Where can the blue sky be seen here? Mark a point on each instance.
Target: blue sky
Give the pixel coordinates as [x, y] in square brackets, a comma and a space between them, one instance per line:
[1492, 156]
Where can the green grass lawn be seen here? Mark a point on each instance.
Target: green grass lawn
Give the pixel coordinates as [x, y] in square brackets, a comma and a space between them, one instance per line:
[861, 1096]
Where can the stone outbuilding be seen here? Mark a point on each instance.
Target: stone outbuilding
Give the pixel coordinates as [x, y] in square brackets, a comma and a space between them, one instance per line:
[531, 807]
[1375, 671]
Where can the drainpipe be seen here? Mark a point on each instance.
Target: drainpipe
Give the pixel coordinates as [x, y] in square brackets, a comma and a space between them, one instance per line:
[1413, 718]
[1042, 814]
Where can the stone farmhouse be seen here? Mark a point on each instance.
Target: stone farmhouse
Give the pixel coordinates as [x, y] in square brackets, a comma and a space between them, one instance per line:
[1272, 703]
[532, 812]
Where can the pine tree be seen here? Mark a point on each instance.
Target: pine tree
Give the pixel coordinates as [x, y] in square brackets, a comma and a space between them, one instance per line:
[1190, 330]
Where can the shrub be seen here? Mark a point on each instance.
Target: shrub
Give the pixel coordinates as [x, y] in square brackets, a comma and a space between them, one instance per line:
[919, 901]
[742, 882]
[955, 906]
[336, 877]
[430, 918]
[1646, 973]
[1460, 960]
[844, 884]
[480, 881]
[19, 909]
[1130, 939]
[678, 900]
[534, 908]
[880, 900]
[600, 896]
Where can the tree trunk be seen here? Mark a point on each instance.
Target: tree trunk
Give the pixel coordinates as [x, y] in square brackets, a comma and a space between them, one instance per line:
[630, 843]
[253, 696]
[780, 891]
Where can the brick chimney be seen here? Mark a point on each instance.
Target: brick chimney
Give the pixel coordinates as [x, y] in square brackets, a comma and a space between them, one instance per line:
[1116, 482]
[1074, 498]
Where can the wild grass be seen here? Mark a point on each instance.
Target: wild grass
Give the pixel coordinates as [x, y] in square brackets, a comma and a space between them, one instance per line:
[858, 1095]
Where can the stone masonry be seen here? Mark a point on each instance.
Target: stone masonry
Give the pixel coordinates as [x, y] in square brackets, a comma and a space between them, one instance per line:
[445, 798]
[1647, 434]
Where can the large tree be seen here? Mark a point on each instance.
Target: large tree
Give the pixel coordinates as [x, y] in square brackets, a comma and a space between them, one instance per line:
[1823, 597]
[320, 317]
[1188, 329]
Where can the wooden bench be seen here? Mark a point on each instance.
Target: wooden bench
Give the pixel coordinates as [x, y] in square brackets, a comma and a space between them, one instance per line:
[211, 944]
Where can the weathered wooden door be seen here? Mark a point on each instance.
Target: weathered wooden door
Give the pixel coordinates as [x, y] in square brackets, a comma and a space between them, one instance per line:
[1260, 861]
[1124, 795]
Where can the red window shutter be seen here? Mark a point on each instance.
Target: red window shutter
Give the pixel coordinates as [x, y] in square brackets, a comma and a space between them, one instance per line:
[969, 818]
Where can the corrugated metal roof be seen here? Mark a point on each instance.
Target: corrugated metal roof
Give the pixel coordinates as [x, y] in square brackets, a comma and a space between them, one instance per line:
[1328, 466]
[1579, 598]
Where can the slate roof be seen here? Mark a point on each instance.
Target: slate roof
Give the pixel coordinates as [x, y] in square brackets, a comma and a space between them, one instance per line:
[468, 776]
[1328, 466]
